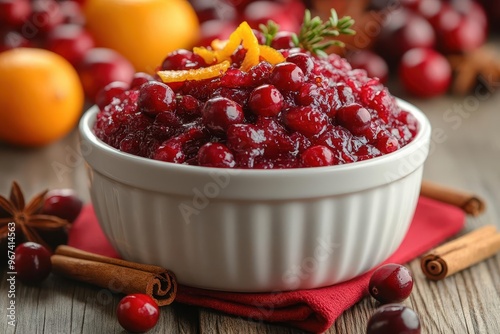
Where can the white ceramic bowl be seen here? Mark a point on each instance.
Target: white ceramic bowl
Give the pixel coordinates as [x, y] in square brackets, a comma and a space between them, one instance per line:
[256, 230]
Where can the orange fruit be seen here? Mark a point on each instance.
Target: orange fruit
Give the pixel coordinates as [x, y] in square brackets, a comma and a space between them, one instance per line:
[41, 97]
[144, 31]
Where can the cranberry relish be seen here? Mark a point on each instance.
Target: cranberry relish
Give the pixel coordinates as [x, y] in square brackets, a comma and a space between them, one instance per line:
[304, 112]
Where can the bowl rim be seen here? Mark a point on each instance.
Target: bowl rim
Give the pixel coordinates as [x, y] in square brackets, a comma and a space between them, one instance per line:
[88, 119]
[221, 184]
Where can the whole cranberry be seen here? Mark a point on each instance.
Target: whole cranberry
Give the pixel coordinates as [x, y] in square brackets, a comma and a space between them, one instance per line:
[425, 72]
[182, 60]
[287, 77]
[46, 15]
[303, 61]
[156, 97]
[216, 155]
[266, 100]
[391, 283]
[137, 313]
[404, 30]
[354, 117]
[458, 32]
[32, 263]
[219, 113]
[139, 79]
[170, 151]
[317, 156]
[374, 65]
[393, 319]
[306, 120]
[62, 203]
[14, 13]
[70, 41]
[110, 91]
[387, 144]
[100, 67]
[283, 40]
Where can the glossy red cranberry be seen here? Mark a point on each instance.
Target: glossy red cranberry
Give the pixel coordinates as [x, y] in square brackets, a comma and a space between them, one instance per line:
[137, 313]
[46, 15]
[393, 319]
[100, 67]
[425, 72]
[387, 144]
[109, 92]
[170, 151]
[266, 100]
[216, 155]
[156, 97]
[244, 138]
[374, 65]
[458, 32]
[32, 263]
[14, 13]
[403, 31]
[317, 156]
[306, 120]
[219, 113]
[70, 41]
[354, 117]
[287, 77]
[303, 61]
[182, 60]
[63, 203]
[283, 40]
[139, 79]
[391, 283]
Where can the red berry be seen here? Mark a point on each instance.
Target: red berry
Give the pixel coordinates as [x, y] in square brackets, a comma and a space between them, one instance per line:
[139, 79]
[425, 72]
[317, 156]
[287, 77]
[182, 60]
[32, 263]
[14, 13]
[354, 118]
[156, 97]
[283, 40]
[404, 30]
[266, 100]
[62, 203]
[170, 151]
[306, 120]
[109, 92]
[303, 61]
[100, 67]
[137, 313]
[70, 41]
[220, 112]
[391, 283]
[215, 155]
[393, 319]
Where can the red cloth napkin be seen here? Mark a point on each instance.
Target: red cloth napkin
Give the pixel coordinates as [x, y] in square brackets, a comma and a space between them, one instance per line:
[311, 310]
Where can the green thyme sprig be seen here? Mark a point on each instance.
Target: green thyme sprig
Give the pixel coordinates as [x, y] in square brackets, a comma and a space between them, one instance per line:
[314, 31]
[269, 30]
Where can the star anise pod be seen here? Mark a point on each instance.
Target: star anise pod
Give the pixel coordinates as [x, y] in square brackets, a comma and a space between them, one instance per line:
[29, 222]
[480, 65]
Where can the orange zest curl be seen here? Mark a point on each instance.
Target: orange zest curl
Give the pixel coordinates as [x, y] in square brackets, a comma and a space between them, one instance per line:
[196, 74]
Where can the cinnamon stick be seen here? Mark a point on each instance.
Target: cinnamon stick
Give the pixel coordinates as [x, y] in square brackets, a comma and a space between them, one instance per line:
[470, 203]
[461, 253]
[115, 274]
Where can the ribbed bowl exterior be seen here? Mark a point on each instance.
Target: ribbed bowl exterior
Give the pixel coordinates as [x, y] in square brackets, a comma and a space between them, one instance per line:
[256, 242]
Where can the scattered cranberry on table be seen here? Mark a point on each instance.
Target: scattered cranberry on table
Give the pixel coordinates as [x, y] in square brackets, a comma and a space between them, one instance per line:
[62, 203]
[393, 319]
[425, 72]
[32, 263]
[391, 283]
[137, 313]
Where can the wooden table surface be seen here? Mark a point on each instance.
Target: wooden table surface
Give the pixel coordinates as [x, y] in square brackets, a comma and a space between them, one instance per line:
[465, 154]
